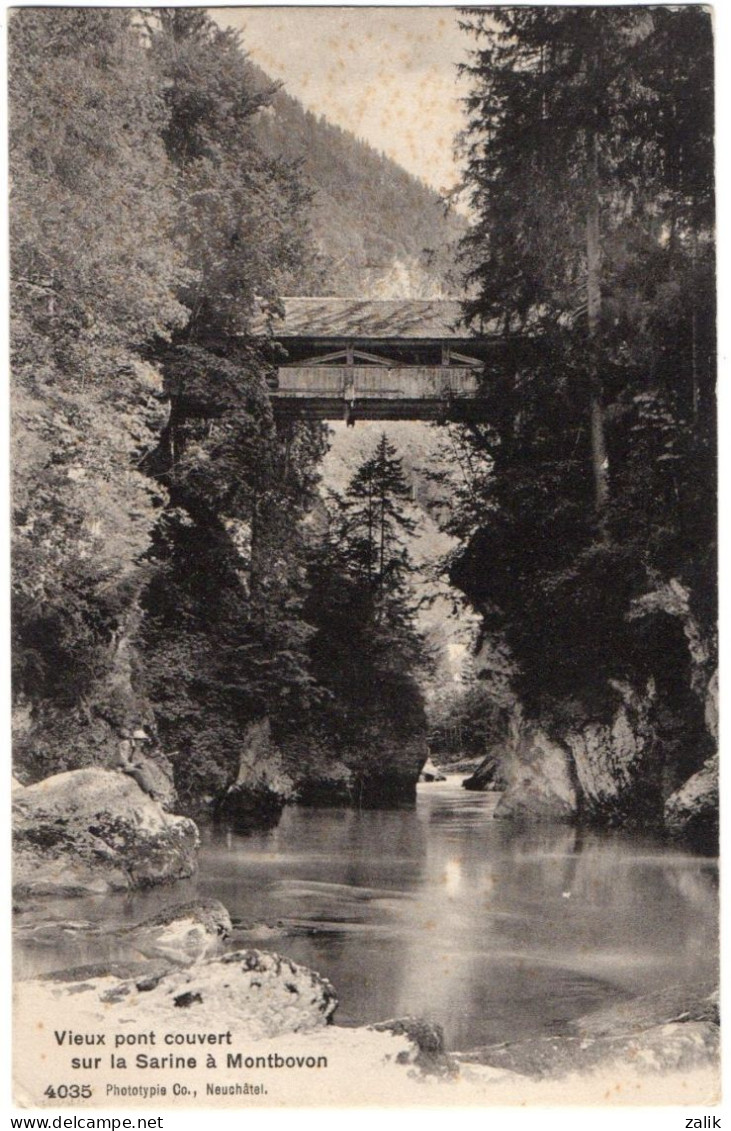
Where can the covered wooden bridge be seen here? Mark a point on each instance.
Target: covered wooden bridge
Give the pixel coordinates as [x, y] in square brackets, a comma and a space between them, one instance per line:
[377, 359]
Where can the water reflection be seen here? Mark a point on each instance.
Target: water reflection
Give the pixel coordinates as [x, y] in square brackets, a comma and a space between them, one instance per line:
[493, 929]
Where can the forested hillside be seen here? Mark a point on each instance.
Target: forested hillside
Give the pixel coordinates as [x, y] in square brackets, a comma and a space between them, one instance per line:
[167, 549]
[591, 548]
[378, 230]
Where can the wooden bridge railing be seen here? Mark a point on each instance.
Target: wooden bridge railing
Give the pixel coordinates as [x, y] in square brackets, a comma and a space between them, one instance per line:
[363, 382]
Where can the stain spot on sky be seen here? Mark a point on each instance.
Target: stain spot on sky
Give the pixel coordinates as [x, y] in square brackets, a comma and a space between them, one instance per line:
[373, 75]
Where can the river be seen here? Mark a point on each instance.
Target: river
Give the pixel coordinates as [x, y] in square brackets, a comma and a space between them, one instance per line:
[495, 930]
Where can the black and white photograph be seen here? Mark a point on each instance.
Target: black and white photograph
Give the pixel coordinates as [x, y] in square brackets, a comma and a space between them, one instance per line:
[363, 473]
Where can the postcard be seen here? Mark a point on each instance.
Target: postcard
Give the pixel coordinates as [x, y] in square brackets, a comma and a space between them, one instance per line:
[365, 695]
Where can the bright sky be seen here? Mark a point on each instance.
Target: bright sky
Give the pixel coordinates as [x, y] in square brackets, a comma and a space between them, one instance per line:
[386, 74]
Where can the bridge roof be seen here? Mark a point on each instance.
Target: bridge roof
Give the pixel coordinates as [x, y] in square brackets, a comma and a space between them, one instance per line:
[367, 318]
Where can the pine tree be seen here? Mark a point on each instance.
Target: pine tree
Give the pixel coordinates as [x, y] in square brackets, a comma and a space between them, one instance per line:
[367, 655]
[373, 522]
[579, 150]
[589, 163]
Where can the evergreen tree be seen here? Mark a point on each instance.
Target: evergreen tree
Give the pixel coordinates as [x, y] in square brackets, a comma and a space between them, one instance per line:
[589, 160]
[580, 146]
[372, 524]
[366, 652]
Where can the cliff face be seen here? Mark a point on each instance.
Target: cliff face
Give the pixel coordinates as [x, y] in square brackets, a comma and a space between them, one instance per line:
[163, 524]
[615, 772]
[598, 772]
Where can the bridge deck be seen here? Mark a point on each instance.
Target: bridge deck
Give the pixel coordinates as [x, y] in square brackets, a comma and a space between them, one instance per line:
[378, 360]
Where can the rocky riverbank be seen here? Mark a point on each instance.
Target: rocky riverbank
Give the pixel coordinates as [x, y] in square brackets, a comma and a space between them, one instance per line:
[256, 1019]
[672, 1030]
[171, 973]
[615, 770]
[96, 831]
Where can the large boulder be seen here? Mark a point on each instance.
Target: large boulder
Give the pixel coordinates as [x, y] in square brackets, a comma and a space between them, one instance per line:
[262, 787]
[671, 1030]
[96, 831]
[260, 994]
[692, 811]
[186, 933]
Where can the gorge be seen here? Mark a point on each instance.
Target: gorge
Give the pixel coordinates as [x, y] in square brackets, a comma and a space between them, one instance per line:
[239, 633]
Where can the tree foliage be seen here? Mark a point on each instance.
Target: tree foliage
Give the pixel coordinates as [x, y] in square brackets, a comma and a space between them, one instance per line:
[366, 651]
[150, 483]
[589, 162]
[241, 218]
[94, 273]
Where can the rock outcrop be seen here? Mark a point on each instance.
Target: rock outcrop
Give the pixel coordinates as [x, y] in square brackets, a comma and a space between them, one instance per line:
[692, 811]
[389, 780]
[333, 784]
[673, 1030]
[673, 1047]
[710, 707]
[640, 755]
[488, 777]
[604, 771]
[382, 780]
[427, 1041]
[52, 738]
[96, 831]
[673, 599]
[617, 763]
[540, 782]
[262, 787]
